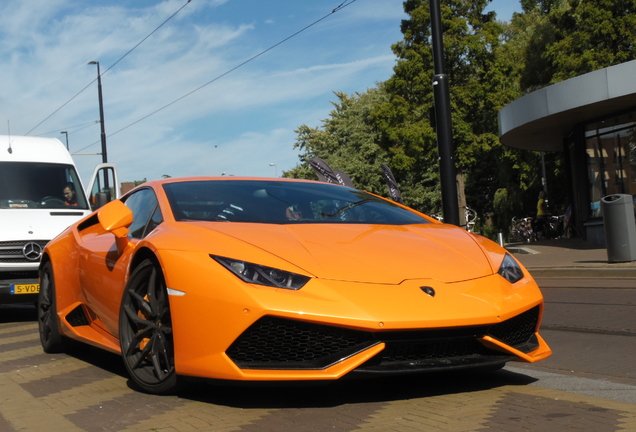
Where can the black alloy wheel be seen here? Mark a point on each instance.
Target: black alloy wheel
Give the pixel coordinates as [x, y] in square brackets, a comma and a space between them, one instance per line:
[50, 337]
[145, 330]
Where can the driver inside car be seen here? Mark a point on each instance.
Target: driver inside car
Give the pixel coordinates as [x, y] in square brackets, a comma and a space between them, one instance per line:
[69, 194]
[293, 213]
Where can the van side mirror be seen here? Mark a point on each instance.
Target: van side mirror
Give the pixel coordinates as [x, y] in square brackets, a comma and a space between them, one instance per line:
[116, 217]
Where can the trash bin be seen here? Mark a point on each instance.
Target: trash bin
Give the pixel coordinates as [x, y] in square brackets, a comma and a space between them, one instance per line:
[620, 227]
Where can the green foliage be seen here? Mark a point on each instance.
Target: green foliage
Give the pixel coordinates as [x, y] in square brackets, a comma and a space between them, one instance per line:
[391, 123]
[347, 141]
[591, 35]
[489, 64]
[479, 84]
[567, 38]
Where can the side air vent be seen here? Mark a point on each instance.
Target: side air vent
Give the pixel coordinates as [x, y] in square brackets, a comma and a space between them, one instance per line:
[517, 330]
[77, 317]
[93, 220]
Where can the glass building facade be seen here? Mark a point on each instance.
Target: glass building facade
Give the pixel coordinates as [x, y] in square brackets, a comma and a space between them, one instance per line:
[610, 147]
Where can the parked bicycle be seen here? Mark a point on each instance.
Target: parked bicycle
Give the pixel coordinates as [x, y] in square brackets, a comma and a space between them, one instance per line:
[469, 214]
[471, 219]
[520, 230]
[554, 227]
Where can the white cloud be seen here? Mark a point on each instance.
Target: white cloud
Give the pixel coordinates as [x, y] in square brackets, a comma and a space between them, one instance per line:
[238, 124]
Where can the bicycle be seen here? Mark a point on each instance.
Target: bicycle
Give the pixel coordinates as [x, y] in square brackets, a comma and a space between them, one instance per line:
[471, 219]
[520, 230]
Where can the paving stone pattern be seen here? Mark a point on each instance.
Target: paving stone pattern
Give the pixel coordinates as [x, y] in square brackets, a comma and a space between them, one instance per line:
[87, 390]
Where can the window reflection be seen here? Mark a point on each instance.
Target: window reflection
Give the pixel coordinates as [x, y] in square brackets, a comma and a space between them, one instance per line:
[611, 159]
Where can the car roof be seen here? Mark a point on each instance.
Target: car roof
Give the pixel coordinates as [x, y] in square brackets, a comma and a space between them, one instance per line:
[159, 182]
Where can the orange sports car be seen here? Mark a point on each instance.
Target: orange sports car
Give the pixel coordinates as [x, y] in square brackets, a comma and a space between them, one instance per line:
[275, 279]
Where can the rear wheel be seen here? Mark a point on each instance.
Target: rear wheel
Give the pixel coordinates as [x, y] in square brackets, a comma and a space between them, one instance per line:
[145, 330]
[50, 337]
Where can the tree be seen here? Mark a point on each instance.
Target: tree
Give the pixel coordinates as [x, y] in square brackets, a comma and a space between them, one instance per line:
[392, 124]
[567, 38]
[347, 141]
[591, 35]
[521, 59]
[489, 64]
[479, 88]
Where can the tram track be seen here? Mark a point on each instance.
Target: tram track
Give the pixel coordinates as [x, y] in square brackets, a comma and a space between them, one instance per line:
[587, 330]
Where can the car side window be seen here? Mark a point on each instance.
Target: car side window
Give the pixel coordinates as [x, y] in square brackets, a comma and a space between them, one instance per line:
[146, 212]
[154, 221]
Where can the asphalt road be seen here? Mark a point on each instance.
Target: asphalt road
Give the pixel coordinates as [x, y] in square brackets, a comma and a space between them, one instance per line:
[591, 326]
[589, 384]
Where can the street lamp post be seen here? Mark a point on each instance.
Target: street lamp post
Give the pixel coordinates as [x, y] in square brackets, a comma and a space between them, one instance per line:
[65, 133]
[275, 168]
[101, 110]
[444, 124]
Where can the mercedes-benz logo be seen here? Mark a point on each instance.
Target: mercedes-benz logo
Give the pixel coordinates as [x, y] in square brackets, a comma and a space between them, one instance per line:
[32, 251]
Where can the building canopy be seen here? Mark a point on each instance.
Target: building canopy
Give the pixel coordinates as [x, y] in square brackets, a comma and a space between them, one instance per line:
[540, 120]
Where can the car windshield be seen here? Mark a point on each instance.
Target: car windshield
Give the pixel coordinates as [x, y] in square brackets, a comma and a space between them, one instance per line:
[40, 185]
[281, 202]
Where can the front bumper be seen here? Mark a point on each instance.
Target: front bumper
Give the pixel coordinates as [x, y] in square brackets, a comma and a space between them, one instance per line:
[227, 329]
[284, 344]
[29, 283]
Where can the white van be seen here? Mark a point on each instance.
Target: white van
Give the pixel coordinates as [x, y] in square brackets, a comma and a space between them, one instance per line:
[34, 174]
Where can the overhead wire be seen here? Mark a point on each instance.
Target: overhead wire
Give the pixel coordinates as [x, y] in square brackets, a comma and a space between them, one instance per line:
[109, 68]
[85, 125]
[336, 9]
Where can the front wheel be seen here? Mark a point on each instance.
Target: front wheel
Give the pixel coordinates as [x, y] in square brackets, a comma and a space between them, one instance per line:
[145, 330]
[50, 338]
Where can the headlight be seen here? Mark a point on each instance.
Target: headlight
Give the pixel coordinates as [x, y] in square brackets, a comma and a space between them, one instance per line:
[261, 275]
[510, 270]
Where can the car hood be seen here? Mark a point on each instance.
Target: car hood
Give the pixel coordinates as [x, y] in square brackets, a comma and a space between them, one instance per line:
[368, 253]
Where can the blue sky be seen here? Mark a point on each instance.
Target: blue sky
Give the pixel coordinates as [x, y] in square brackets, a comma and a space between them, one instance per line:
[238, 124]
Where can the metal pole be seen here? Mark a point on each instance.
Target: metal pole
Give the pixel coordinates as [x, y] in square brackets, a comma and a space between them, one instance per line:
[101, 114]
[106, 186]
[66, 133]
[444, 124]
[544, 179]
[101, 111]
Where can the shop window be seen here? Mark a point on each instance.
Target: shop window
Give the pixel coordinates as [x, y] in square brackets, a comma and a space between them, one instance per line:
[611, 160]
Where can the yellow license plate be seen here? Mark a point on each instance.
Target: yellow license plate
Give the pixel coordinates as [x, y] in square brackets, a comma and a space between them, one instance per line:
[25, 289]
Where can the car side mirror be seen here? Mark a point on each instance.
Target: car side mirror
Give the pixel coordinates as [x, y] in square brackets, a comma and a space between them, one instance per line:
[116, 217]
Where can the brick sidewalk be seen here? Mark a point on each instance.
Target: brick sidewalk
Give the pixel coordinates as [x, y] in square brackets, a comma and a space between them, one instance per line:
[569, 258]
[88, 392]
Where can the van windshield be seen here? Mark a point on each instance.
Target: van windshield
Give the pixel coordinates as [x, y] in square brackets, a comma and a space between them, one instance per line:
[40, 185]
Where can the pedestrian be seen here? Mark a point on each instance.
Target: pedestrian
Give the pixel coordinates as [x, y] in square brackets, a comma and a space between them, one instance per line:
[538, 229]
